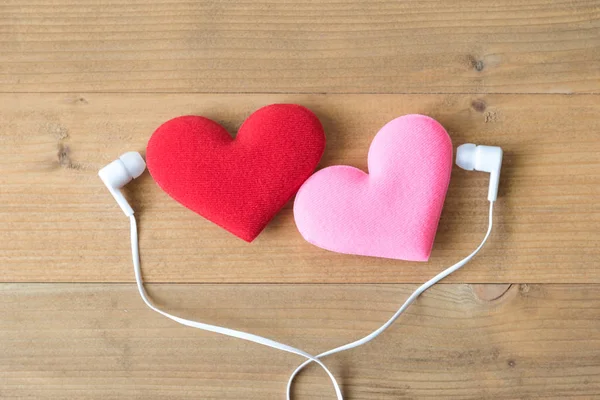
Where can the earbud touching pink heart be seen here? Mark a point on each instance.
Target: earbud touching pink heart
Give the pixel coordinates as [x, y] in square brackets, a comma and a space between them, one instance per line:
[394, 210]
[239, 184]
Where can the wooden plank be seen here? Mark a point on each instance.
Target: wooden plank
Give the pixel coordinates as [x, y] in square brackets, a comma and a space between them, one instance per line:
[487, 46]
[66, 341]
[60, 224]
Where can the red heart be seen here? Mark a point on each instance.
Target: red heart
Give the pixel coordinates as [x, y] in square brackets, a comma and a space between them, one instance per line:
[239, 184]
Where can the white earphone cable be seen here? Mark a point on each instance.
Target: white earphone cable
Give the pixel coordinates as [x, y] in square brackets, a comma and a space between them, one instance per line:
[213, 328]
[280, 346]
[403, 308]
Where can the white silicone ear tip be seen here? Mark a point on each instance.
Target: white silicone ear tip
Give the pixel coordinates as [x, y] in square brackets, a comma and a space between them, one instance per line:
[134, 163]
[465, 156]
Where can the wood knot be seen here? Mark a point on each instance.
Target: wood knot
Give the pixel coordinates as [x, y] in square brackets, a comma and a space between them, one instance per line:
[479, 105]
[490, 291]
[64, 158]
[479, 66]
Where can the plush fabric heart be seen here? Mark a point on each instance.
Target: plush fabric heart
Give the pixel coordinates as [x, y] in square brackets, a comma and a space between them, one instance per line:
[239, 184]
[394, 210]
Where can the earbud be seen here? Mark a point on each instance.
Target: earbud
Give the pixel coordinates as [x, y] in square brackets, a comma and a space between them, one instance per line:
[482, 158]
[119, 173]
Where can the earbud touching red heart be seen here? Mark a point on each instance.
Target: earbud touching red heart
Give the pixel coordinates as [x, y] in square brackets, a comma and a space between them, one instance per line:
[394, 210]
[239, 184]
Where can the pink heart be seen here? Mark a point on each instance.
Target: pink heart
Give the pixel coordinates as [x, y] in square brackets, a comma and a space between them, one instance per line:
[394, 210]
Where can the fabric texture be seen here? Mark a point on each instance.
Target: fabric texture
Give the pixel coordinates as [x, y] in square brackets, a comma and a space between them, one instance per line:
[239, 184]
[394, 210]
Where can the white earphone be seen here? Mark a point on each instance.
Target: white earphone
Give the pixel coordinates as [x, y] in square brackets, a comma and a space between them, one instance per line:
[482, 158]
[131, 165]
[119, 173]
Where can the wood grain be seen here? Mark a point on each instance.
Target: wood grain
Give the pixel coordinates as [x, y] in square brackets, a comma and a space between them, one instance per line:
[66, 341]
[523, 75]
[60, 224]
[312, 46]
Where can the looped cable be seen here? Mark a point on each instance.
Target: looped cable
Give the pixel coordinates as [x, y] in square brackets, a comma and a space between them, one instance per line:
[214, 328]
[281, 346]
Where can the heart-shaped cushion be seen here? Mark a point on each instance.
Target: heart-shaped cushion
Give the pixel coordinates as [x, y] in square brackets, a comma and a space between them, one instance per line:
[239, 184]
[394, 210]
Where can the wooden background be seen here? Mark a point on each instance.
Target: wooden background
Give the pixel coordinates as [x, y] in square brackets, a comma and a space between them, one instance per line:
[83, 81]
